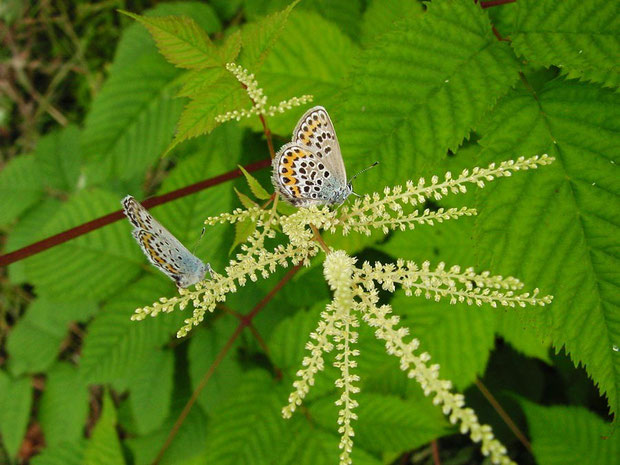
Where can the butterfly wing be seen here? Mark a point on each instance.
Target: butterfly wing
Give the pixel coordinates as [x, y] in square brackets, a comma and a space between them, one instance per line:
[302, 177]
[316, 132]
[162, 249]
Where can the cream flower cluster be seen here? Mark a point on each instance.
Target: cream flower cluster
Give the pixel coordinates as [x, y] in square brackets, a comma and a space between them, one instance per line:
[355, 293]
[356, 288]
[258, 97]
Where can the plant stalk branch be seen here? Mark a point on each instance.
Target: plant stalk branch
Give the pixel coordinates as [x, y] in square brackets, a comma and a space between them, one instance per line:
[97, 223]
[244, 321]
[502, 413]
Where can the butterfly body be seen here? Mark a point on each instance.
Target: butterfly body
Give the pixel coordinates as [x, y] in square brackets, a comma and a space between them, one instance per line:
[309, 170]
[162, 249]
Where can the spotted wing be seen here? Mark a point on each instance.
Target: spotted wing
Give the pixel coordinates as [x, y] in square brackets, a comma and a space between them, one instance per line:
[301, 176]
[316, 132]
[162, 249]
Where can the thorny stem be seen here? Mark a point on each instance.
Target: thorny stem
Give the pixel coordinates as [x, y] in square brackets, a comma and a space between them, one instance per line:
[502, 413]
[244, 321]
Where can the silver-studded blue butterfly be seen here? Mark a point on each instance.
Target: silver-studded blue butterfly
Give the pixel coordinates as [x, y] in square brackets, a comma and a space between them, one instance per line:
[309, 170]
[163, 249]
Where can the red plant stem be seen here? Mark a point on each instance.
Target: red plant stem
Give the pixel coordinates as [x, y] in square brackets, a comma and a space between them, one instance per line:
[502, 413]
[97, 223]
[491, 3]
[435, 449]
[244, 321]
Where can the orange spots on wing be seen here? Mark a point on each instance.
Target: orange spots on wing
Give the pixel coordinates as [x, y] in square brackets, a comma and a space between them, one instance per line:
[310, 126]
[146, 242]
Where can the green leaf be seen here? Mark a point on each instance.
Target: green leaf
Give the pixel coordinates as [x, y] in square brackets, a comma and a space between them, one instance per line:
[20, 187]
[258, 190]
[380, 17]
[66, 453]
[91, 266]
[35, 341]
[387, 422]
[29, 230]
[132, 119]
[243, 230]
[15, 402]
[218, 153]
[59, 156]
[570, 436]
[581, 38]
[64, 405]
[104, 446]
[198, 116]
[285, 72]
[187, 447]
[245, 200]
[204, 347]
[420, 89]
[151, 385]
[259, 37]
[459, 337]
[556, 228]
[115, 346]
[181, 41]
[234, 437]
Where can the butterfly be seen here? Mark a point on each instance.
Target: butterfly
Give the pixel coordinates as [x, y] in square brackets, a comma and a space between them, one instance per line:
[309, 170]
[163, 249]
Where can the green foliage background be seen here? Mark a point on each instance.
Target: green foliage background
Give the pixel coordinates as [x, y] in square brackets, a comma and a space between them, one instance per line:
[423, 88]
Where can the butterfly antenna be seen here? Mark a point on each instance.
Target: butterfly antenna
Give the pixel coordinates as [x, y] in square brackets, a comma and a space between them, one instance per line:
[198, 241]
[364, 170]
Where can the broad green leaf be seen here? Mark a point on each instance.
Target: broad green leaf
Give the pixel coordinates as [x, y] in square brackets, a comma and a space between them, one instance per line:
[136, 40]
[234, 436]
[150, 389]
[132, 119]
[59, 156]
[35, 341]
[15, 401]
[91, 266]
[27, 231]
[459, 337]
[181, 40]
[186, 448]
[64, 405]
[104, 447]
[564, 435]
[556, 228]
[115, 346]
[286, 74]
[259, 37]
[420, 89]
[198, 116]
[287, 346]
[315, 446]
[581, 38]
[258, 190]
[387, 422]
[346, 15]
[204, 347]
[21, 186]
[66, 453]
[185, 217]
[381, 16]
